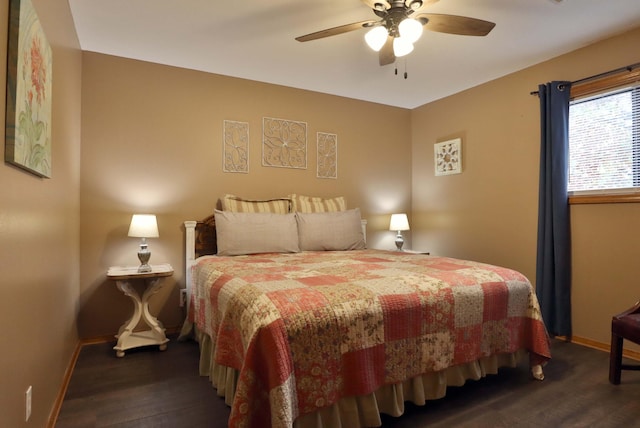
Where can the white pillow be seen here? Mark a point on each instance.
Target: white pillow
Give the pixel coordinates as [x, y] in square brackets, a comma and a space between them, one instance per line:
[330, 231]
[253, 233]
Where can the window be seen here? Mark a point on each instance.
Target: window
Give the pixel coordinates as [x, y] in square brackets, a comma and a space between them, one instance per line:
[604, 140]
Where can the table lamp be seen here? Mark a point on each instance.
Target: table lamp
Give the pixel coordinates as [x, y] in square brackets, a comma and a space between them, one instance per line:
[399, 222]
[144, 226]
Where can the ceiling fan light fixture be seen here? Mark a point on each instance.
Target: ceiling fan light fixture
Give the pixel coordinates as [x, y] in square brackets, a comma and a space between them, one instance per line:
[378, 6]
[376, 37]
[402, 46]
[410, 29]
[415, 4]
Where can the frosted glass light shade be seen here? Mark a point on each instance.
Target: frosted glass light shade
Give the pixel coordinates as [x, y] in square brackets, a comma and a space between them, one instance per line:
[402, 46]
[143, 226]
[410, 29]
[376, 37]
[399, 222]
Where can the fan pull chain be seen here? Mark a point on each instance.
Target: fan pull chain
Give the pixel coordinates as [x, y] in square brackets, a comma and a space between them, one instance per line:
[405, 69]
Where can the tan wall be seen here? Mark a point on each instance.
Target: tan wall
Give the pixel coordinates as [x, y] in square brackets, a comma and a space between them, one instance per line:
[39, 240]
[151, 142]
[489, 212]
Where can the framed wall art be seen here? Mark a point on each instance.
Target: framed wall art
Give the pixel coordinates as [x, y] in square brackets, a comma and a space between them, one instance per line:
[447, 156]
[284, 143]
[29, 81]
[327, 155]
[236, 146]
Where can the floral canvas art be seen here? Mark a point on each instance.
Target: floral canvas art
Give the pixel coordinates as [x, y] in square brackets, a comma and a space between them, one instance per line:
[29, 75]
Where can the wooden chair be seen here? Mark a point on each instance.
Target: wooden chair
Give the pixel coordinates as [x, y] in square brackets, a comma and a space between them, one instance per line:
[625, 325]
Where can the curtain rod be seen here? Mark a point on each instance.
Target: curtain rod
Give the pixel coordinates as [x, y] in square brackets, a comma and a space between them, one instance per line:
[597, 76]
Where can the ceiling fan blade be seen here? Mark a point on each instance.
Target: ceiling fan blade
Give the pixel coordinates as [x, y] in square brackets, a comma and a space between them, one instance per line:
[454, 24]
[335, 31]
[386, 53]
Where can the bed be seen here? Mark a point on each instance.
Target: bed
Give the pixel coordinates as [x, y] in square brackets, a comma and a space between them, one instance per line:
[309, 328]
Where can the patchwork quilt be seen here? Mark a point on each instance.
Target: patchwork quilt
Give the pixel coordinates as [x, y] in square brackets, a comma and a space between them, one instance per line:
[306, 329]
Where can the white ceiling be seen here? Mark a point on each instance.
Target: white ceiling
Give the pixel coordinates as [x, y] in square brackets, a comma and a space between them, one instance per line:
[254, 39]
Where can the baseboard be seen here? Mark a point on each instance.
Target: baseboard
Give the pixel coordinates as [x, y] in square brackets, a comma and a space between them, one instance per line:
[55, 412]
[53, 417]
[589, 343]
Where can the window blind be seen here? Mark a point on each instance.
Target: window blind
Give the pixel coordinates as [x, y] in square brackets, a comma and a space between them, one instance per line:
[604, 141]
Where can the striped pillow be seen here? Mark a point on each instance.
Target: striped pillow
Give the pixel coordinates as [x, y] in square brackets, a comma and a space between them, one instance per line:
[309, 204]
[236, 204]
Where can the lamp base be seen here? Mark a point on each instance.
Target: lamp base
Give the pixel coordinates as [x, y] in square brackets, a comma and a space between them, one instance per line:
[399, 241]
[144, 255]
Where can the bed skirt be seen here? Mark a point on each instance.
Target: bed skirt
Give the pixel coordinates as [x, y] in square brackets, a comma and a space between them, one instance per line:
[364, 410]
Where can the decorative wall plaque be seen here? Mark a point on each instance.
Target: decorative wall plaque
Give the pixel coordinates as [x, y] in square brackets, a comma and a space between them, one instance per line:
[327, 155]
[284, 143]
[448, 157]
[236, 147]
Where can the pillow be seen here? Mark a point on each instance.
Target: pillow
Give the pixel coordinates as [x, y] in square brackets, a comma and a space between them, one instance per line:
[239, 205]
[309, 204]
[253, 233]
[332, 231]
[205, 239]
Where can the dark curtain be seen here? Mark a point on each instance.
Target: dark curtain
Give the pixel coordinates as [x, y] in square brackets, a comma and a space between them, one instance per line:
[553, 265]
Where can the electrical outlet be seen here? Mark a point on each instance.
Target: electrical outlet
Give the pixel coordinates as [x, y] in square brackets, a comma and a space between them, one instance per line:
[183, 297]
[27, 399]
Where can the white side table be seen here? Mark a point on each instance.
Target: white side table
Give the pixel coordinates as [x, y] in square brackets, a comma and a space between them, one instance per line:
[127, 338]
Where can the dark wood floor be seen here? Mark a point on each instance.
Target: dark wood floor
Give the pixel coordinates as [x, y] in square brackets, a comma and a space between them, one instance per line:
[148, 388]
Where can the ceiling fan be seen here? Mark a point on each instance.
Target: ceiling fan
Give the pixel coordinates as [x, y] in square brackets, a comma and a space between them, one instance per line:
[401, 25]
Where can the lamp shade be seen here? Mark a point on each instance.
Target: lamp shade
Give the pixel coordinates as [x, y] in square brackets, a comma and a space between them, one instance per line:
[410, 29]
[399, 222]
[376, 37]
[143, 226]
[402, 46]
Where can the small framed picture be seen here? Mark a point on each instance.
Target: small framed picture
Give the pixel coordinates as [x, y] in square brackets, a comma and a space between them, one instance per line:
[447, 157]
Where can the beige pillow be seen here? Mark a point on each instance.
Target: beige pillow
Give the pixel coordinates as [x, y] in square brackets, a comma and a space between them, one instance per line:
[331, 231]
[313, 204]
[240, 205]
[254, 233]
